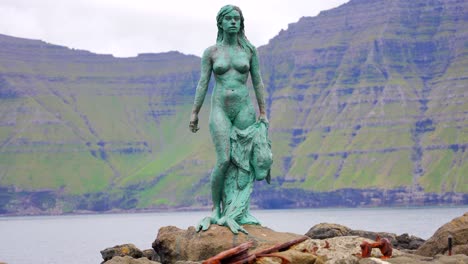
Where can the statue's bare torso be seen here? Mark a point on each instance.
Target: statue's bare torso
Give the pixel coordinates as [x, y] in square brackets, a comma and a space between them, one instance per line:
[231, 68]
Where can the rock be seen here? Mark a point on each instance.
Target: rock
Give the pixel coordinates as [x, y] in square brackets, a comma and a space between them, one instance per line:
[415, 243]
[292, 256]
[341, 250]
[409, 259]
[121, 250]
[173, 244]
[130, 260]
[438, 243]
[460, 249]
[373, 261]
[454, 259]
[438, 259]
[150, 254]
[373, 235]
[327, 230]
[405, 241]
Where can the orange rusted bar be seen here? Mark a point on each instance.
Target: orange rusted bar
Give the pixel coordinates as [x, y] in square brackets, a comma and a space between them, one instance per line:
[382, 244]
[283, 246]
[239, 250]
[239, 254]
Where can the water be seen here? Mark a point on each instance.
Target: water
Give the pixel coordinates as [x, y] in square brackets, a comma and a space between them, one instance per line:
[79, 238]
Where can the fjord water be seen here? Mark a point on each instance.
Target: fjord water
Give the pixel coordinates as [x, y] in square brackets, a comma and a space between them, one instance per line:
[79, 238]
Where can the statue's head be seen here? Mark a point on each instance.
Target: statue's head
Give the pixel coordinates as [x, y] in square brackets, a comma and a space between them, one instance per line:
[242, 39]
[226, 10]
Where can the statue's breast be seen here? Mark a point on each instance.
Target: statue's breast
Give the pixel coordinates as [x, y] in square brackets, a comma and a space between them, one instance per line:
[221, 66]
[224, 61]
[241, 64]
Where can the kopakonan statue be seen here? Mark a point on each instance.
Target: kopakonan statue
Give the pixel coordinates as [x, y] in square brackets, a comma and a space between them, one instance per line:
[243, 150]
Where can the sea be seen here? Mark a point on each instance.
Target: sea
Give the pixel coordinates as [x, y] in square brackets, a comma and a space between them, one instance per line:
[78, 239]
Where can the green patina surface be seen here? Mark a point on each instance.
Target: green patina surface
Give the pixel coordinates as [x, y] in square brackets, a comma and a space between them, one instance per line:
[236, 136]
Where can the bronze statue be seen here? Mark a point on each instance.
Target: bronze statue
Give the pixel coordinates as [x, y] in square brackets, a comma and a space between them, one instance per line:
[243, 151]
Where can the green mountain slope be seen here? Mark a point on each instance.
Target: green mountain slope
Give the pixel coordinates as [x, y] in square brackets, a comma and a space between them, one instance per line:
[367, 106]
[372, 95]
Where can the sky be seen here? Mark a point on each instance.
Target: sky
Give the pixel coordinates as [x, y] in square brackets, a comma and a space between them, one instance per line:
[125, 28]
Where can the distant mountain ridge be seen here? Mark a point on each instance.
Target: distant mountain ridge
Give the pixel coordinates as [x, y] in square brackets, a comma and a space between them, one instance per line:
[367, 105]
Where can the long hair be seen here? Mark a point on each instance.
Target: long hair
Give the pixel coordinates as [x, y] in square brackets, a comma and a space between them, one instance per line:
[241, 38]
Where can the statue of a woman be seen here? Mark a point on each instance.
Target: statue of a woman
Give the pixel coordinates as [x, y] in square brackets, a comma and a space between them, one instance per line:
[242, 149]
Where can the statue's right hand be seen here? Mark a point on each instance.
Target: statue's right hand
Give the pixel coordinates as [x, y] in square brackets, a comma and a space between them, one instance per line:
[194, 123]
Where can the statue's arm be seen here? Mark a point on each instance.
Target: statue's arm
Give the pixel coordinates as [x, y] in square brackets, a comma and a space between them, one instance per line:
[258, 86]
[202, 88]
[205, 75]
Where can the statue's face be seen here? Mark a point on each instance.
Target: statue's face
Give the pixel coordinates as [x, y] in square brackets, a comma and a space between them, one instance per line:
[231, 22]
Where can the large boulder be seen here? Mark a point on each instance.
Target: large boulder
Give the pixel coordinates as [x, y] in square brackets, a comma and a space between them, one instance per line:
[150, 254]
[327, 230]
[438, 243]
[173, 244]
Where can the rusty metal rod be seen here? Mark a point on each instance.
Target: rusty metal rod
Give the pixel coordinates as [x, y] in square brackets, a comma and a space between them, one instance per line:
[450, 245]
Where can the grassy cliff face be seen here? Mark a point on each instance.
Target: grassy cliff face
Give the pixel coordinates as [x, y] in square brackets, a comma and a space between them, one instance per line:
[77, 123]
[368, 96]
[372, 95]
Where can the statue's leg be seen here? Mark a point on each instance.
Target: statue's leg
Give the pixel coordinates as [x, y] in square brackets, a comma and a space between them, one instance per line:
[220, 129]
[245, 118]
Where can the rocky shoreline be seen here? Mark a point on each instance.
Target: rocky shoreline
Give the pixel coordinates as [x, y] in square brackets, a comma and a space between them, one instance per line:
[323, 243]
[48, 202]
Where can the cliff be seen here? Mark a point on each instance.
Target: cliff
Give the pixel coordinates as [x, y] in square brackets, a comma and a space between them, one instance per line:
[371, 94]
